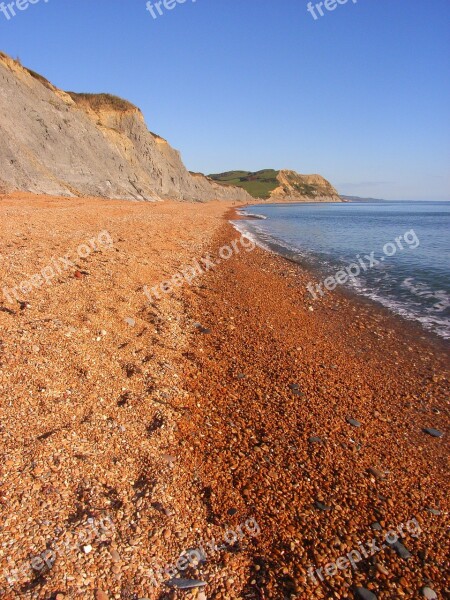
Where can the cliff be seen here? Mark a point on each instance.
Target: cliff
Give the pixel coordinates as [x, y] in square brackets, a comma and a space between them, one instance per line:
[294, 187]
[54, 142]
[281, 186]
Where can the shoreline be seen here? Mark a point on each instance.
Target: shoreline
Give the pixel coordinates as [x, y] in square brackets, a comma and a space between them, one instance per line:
[414, 326]
[269, 383]
[183, 419]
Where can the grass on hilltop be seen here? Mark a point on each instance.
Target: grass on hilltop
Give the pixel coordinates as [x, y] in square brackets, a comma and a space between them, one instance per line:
[258, 184]
[102, 101]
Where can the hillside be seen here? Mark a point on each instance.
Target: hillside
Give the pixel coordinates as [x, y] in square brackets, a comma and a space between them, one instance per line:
[259, 184]
[65, 143]
[284, 185]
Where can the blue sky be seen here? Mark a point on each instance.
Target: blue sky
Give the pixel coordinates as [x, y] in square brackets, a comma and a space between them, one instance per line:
[360, 95]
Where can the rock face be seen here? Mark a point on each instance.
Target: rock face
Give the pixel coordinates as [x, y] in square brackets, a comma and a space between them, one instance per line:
[53, 142]
[280, 186]
[295, 187]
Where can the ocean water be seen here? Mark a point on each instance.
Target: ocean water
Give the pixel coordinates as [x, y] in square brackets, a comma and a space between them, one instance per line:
[401, 249]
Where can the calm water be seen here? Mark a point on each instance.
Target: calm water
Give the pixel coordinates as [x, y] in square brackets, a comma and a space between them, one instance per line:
[410, 276]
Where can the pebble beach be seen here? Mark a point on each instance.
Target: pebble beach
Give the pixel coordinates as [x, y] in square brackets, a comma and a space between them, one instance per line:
[228, 420]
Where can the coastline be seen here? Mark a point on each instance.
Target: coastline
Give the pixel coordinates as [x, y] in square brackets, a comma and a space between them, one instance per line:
[273, 376]
[199, 416]
[416, 328]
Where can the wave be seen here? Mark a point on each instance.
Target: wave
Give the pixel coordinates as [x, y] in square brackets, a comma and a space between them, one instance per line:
[245, 213]
[428, 319]
[242, 228]
[422, 290]
[380, 288]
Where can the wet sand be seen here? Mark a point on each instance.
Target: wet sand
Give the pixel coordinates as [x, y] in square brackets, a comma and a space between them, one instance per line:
[223, 401]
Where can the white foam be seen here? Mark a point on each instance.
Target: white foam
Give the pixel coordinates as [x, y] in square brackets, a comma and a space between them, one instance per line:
[243, 230]
[422, 290]
[245, 213]
[439, 325]
[433, 320]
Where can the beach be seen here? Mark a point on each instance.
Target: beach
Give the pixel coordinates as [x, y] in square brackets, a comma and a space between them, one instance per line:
[229, 410]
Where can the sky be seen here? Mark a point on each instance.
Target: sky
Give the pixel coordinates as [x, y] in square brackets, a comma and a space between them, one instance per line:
[360, 95]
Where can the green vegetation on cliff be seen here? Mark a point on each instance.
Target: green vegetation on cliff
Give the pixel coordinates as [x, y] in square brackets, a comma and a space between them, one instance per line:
[286, 185]
[102, 101]
[258, 184]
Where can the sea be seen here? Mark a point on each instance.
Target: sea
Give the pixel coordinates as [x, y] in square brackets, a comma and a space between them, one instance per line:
[402, 250]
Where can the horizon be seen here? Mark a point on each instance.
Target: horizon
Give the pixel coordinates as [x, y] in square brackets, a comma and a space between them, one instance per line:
[249, 111]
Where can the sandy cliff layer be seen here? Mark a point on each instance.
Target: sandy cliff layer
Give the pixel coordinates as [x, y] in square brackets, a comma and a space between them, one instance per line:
[295, 187]
[53, 142]
[280, 186]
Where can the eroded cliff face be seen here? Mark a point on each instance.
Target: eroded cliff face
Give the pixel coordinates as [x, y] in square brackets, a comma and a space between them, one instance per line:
[53, 142]
[295, 187]
[280, 186]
